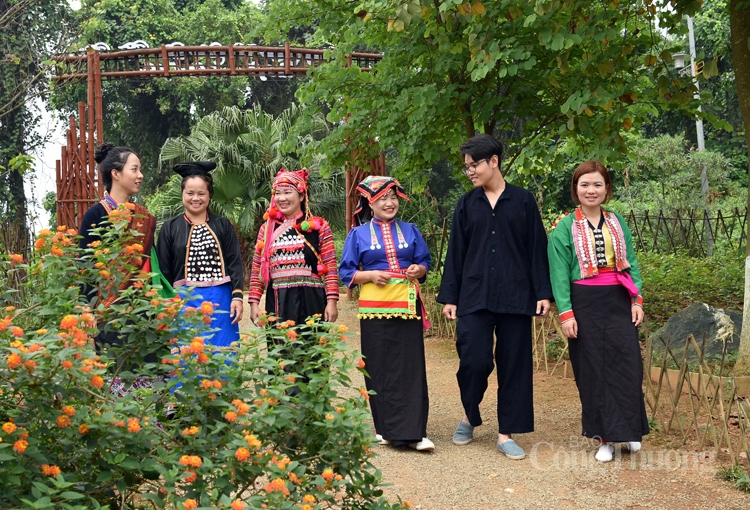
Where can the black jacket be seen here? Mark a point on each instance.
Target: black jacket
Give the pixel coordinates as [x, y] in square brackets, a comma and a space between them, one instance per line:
[497, 257]
[171, 249]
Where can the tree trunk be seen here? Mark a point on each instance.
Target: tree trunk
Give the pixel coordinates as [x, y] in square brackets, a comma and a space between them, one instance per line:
[739, 22]
[13, 229]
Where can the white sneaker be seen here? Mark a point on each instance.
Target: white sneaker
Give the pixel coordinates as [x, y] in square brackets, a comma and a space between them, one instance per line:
[425, 445]
[605, 453]
[634, 446]
[379, 439]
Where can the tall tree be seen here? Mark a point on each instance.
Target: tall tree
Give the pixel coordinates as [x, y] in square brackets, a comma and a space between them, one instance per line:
[539, 75]
[739, 20]
[30, 31]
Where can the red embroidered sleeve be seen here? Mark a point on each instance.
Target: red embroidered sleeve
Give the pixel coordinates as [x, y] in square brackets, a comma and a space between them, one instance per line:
[256, 282]
[328, 256]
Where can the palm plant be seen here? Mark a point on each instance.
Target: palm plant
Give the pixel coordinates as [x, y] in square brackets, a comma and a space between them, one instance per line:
[246, 146]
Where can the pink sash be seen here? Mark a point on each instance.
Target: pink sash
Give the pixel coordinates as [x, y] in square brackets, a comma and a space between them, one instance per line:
[611, 277]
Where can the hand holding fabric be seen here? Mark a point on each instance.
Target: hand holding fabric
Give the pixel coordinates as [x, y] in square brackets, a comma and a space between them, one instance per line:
[415, 271]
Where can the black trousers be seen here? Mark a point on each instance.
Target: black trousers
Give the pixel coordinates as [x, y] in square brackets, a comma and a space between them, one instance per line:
[513, 356]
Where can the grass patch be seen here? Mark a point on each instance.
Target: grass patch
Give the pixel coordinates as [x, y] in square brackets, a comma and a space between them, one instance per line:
[737, 476]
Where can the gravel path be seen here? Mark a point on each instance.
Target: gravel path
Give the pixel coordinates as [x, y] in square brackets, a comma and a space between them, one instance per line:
[560, 470]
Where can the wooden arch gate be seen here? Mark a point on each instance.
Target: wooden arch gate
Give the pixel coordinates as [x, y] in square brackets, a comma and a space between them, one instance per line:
[78, 182]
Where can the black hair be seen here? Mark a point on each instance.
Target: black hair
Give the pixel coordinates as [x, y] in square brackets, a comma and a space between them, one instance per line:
[204, 177]
[481, 147]
[111, 158]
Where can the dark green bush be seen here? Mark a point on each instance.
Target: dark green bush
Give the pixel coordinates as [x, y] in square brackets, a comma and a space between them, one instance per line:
[673, 282]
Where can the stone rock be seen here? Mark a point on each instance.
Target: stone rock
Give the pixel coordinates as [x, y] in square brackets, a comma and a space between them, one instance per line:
[698, 319]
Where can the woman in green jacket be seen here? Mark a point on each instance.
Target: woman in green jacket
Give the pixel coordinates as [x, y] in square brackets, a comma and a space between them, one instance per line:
[597, 287]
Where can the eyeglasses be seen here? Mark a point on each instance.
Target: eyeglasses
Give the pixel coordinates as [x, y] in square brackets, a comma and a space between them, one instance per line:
[471, 168]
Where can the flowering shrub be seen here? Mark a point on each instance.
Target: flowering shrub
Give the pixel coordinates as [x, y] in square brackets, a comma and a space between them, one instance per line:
[262, 424]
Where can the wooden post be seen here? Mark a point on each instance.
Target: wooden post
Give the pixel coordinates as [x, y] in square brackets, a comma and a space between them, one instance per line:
[58, 184]
[164, 61]
[287, 58]
[230, 55]
[98, 100]
[347, 186]
[90, 122]
[99, 115]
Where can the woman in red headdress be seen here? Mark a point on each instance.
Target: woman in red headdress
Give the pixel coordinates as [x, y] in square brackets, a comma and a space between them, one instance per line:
[295, 258]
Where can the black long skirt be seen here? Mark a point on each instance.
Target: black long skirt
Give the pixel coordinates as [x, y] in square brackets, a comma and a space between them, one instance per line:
[295, 303]
[607, 363]
[394, 357]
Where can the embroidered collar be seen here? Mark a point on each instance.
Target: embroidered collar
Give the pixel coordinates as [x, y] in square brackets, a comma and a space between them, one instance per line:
[385, 229]
[583, 240]
[108, 202]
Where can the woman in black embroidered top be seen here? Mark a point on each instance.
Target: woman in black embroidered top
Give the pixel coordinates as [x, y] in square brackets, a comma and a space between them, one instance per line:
[200, 249]
[120, 171]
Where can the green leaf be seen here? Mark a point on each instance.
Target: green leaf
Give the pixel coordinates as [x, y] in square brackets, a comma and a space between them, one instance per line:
[71, 495]
[558, 41]
[129, 464]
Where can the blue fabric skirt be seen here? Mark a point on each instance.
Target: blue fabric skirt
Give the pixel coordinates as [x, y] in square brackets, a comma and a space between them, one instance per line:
[221, 297]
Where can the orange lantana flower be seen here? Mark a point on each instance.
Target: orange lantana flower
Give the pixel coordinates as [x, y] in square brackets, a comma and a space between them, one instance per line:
[68, 322]
[14, 361]
[207, 308]
[242, 454]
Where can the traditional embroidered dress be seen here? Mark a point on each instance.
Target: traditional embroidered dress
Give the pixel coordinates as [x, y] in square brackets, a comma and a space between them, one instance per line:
[595, 280]
[145, 223]
[141, 221]
[295, 258]
[203, 262]
[302, 273]
[392, 318]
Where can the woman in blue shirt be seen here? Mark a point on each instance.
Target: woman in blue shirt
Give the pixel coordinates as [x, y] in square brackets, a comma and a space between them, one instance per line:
[389, 258]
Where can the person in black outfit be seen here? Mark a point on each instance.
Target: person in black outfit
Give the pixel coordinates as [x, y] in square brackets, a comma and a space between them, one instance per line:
[496, 278]
[120, 171]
